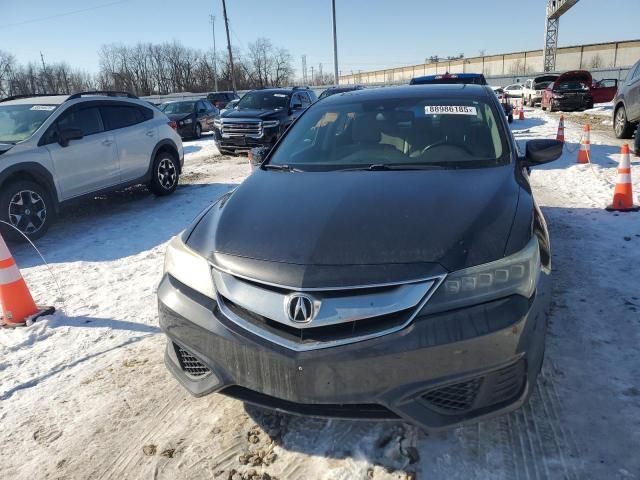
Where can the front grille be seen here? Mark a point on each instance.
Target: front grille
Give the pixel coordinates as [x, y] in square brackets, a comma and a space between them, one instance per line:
[456, 398]
[329, 333]
[190, 364]
[248, 128]
[331, 410]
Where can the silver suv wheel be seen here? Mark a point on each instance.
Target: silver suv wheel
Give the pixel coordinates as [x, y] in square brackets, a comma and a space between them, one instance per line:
[27, 211]
[167, 174]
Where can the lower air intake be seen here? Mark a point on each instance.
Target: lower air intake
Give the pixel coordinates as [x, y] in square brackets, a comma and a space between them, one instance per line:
[190, 364]
[454, 399]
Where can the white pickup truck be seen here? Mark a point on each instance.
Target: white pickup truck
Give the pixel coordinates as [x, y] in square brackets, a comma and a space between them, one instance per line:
[533, 88]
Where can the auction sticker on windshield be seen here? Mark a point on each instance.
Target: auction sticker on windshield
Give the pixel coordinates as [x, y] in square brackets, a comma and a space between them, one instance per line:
[46, 108]
[449, 110]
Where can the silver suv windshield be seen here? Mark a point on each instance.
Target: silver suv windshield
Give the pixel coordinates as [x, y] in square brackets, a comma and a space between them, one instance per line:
[179, 107]
[395, 133]
[19, 122]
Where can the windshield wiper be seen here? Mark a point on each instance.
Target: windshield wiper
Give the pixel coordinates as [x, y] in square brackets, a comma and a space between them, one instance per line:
[286, 168]
[395, 166]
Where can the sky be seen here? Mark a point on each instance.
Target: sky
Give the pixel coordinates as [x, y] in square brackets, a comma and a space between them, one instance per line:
[372, 34]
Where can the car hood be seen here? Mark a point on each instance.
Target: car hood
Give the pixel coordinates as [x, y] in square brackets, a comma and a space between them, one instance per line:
[545, 78]
[452, 219]
[248, 113]
[575, 75]
[178, 116]
[5, 147]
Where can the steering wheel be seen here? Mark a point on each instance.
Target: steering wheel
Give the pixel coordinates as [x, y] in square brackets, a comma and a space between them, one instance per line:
[442, 143]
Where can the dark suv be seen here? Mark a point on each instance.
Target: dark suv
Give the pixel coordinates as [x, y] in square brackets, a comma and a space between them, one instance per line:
[626, 112]
[387, 260]
[260, 118]
[220, 99]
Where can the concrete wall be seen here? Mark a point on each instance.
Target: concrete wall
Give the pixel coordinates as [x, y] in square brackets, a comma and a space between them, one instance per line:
[618, 56]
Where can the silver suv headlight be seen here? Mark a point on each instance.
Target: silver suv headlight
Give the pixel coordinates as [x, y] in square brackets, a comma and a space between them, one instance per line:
[188, 267]
[516, 274]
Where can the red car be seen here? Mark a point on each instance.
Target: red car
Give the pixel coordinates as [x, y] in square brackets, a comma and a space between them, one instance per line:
[570, 91]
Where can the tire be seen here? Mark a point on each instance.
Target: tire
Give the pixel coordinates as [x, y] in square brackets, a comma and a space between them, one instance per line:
[621, 126]
[165, 174]
[543, 107]
[27, 206]
[197, 131]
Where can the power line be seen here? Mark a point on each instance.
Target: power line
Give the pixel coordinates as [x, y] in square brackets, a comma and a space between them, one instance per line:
[58, 15]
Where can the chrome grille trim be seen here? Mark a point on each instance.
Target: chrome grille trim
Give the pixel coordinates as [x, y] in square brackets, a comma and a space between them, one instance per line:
[269, 301]
[241, 127]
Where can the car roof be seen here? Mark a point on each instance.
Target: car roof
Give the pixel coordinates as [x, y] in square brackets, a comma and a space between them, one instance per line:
[447, 76]
[411, 91]
[38, 100]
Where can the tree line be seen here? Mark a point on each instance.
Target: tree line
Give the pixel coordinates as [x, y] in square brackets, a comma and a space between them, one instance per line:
[148, 69]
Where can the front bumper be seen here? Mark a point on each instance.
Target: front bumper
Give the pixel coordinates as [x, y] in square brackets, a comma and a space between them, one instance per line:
[442, 370]
[578, 102]
[243, 143]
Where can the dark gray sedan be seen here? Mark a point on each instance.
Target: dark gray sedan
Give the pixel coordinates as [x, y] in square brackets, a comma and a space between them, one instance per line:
[386, 260]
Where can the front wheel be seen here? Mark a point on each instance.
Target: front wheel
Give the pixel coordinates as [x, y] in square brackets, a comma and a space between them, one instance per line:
[27, 207]
[621, 126]
[197, 131]
[165, 174]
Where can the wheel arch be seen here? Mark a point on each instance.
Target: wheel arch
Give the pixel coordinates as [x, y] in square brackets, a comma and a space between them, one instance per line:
[33, 172]
[166, 145]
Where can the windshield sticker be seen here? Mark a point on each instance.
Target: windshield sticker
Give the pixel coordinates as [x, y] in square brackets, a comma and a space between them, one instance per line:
[449, 110]
[46, 108]
[279, 95]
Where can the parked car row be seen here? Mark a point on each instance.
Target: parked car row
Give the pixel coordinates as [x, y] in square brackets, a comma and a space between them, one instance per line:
[573, 90]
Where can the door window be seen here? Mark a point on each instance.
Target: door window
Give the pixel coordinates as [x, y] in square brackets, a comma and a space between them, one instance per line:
[306, 101]
[86, 119]
[120, 116]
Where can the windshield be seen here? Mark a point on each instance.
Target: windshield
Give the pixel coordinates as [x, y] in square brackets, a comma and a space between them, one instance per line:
[264, 101]
[179, 107]
[408, 132]
[18, 122]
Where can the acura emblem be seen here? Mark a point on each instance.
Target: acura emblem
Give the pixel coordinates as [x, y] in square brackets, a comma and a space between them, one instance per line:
[300, 308]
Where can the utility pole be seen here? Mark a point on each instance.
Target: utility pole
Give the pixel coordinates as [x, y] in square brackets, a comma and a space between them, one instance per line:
[46, 76]
[212, 19]
[304, 69]
[226, 24]
[335, 44]
[311, 74]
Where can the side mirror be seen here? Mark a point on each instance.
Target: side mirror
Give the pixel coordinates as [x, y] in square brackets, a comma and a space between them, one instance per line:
[68, 134]
[539, 152]
[296, 106]
[257, 156]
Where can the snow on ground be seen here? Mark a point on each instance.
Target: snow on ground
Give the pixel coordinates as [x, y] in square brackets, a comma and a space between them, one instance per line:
[84, 393]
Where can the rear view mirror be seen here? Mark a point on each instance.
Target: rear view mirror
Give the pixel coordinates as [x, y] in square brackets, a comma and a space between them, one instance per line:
[539, 152]
[67, 134]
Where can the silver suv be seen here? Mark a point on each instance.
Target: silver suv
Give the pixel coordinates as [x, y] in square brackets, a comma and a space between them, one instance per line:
[54, 149]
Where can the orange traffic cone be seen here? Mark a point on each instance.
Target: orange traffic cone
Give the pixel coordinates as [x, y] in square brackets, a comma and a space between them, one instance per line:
[585, 145]
[521, 116]
[560, 135]
[623, 194]
[16, 304]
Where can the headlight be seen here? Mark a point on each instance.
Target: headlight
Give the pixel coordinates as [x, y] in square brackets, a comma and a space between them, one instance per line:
[516, 274]
[270, 123]
[187, 121]
[558, 95]
[188, 267]
[217, 123]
